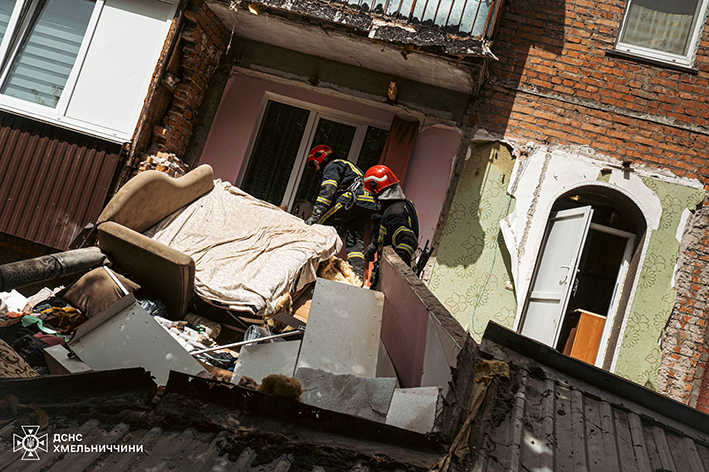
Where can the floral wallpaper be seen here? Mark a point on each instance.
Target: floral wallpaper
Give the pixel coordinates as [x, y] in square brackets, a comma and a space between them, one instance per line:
[639, 355]
[472, 265]
[471, 270]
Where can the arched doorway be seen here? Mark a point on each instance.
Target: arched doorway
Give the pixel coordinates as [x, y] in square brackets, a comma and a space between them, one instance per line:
[589, 252]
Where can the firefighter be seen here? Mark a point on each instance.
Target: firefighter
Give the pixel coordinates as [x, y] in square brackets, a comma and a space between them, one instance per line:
[398, 224]
[343, 202]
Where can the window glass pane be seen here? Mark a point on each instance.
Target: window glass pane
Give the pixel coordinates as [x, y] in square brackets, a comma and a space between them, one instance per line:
[275, 151]
[661, 25]
[48, 51]
[6, 7]
[339, 137]
[372, 148]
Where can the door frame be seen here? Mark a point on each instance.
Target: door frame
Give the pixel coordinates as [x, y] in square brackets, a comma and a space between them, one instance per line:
[316, 113]
[617, 290]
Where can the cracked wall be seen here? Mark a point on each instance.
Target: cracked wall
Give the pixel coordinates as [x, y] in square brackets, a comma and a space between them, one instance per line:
[492, 240]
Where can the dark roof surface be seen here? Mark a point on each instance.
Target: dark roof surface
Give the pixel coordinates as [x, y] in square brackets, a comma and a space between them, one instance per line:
[560, 422]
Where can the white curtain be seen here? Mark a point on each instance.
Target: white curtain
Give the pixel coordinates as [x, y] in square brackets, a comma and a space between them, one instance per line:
[661, 25]
[48, 51]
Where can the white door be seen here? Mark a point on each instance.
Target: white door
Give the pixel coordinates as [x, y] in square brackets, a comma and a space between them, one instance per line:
[555, 273]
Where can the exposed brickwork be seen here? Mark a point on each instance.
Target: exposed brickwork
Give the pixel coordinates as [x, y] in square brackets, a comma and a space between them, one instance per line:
[684, 348]
[556, 83]
[203, 39]
[14, 249]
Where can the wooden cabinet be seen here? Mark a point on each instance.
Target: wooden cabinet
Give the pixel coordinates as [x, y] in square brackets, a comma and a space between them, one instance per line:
[585, 338]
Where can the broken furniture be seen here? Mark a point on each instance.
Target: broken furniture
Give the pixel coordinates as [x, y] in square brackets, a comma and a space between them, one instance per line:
[248, 253]
[341, 361]
[136, 207]
[125, 335]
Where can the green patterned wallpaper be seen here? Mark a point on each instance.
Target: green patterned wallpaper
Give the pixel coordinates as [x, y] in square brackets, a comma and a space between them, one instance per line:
[472, 265]
[639, 355]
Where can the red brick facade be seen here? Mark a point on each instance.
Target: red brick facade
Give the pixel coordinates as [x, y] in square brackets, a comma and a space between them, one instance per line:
[558, 82]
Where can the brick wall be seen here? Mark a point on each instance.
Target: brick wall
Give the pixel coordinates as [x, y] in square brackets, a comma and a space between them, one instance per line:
[684, 347]
[202, 43]
[556, 83]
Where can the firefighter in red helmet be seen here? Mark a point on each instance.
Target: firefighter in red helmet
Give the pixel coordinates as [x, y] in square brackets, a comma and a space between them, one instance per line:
[343, 202]
[398, 224]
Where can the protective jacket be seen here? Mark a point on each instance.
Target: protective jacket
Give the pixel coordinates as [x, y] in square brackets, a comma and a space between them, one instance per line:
[341, 188]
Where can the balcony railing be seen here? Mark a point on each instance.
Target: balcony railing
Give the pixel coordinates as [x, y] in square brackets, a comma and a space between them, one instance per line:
[466, 18]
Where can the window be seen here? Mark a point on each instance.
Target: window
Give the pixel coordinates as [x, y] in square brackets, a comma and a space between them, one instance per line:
[662, 30]
[41, 40]
[276, 170]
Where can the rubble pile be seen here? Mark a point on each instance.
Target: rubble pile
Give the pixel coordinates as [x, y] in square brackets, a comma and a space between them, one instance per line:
[164, 162]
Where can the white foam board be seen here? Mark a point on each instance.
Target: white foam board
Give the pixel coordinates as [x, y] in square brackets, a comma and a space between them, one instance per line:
[260, 360]
[414, 409]
[343, 330]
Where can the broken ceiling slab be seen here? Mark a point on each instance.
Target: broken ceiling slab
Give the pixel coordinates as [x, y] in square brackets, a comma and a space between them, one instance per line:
[415, 409]
[260, 360]
[343, 330]
[125, 335]
[367, 398]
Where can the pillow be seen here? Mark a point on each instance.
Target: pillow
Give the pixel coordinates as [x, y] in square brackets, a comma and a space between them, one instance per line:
[96, 290]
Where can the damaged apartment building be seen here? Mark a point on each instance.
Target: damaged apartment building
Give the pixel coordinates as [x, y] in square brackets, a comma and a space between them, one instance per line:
[555, 151]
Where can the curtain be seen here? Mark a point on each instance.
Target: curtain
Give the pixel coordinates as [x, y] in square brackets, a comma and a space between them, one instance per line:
[661, 25]
[399, 145]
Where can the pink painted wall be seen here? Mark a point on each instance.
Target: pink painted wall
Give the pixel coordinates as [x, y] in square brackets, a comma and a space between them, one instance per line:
[238, 115]
[428, 174]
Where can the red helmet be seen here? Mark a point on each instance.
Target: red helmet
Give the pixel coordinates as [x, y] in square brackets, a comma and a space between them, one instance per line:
[318, 154]
[378, 178]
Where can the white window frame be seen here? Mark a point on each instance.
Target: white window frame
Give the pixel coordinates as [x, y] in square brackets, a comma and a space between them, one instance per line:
[662, 56]
[317, 112]
[56, 115]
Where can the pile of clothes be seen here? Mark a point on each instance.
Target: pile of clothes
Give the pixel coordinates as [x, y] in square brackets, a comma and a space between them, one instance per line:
[44, 320]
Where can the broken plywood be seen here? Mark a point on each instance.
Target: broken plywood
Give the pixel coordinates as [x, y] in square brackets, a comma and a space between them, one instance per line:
[344, 325]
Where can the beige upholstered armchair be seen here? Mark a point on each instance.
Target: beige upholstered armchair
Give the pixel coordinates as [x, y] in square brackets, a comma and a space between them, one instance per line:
[140, 204]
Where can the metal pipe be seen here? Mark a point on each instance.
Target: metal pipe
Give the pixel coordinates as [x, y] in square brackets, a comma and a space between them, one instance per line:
[244, 343]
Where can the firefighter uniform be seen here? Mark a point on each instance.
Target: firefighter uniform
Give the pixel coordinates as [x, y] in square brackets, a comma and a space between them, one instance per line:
[398, 227]
[344, 202]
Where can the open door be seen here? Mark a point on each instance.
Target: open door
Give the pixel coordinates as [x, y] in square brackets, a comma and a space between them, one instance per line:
[555, 274]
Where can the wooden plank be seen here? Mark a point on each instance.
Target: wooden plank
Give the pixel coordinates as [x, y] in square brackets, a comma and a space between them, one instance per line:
[588, 336]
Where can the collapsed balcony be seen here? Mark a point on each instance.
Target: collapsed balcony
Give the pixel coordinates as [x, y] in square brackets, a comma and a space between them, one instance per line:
[455, 27]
